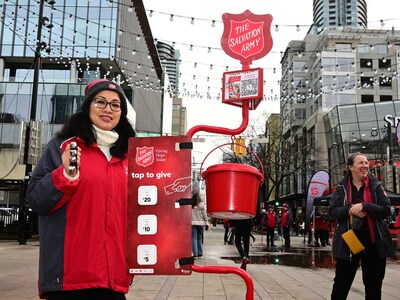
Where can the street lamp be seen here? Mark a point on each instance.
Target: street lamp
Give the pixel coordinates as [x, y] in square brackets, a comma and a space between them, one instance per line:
[33, 129]
[390, 156]
[334, 145]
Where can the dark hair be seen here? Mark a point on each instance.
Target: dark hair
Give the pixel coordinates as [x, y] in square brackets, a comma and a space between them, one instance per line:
[79, 125]
[350, 162]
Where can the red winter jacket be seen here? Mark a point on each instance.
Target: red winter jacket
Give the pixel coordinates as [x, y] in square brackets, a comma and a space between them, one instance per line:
[82, 224]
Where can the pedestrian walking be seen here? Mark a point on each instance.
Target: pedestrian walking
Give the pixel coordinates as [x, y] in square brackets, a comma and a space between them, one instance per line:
[242, 239]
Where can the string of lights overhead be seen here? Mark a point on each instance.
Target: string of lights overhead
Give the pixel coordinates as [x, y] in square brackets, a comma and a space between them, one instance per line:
[200, 88]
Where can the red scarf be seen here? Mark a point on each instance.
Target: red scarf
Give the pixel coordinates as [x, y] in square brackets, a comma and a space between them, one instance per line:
[366, 198]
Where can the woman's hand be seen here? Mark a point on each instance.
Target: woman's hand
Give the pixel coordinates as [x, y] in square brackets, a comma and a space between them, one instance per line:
[66, 156]
[356, 210]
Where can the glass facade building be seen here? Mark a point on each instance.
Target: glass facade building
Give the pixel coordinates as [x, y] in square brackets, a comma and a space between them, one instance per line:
[368, 128]
[80, 41]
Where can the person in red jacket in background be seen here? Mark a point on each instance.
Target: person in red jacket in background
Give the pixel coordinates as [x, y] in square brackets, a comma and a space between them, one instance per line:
[318, 229]
[285, 223]
[325, 229]
[270, 223]
[82, 207]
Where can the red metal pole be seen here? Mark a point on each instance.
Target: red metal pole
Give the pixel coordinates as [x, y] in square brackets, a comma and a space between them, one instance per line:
[229, 270]
[222, 130]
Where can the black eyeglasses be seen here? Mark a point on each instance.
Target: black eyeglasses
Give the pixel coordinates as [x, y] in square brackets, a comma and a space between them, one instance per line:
[102, 103]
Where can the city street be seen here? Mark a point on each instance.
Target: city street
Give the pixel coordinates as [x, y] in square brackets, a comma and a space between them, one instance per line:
[301, 273]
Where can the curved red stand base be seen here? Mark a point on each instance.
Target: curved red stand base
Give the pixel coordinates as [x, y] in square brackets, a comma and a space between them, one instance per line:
[229, 270]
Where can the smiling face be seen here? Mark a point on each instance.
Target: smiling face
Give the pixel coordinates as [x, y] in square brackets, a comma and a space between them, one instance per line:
[105, 118]
[359, 169]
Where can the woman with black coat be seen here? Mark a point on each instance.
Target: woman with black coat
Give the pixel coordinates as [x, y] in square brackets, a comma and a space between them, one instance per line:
[361, 195]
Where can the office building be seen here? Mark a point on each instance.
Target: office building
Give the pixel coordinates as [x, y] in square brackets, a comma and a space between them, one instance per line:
[340, 14]
[339, 88]
[78, 41]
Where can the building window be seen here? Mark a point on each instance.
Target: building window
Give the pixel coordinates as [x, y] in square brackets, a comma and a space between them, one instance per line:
[367, 98]
[383, 98]
[366, 63]
[384, 63]
[298, 66]
[344, 46]
[385, 82]
[366, 82]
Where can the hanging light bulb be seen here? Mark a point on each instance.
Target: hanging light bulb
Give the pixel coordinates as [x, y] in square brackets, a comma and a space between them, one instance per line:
[191, 47]
[150, 13]
[276, 28]
[133, 52]
[192, 21]
[138, 37]
[209, 50]
[213, 23]
[297, 28]
[130, 9]
[171, 18]
[382, 23]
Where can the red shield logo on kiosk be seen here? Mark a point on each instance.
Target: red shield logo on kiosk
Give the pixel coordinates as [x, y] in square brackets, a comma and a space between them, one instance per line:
[144, 156]
[246, 36]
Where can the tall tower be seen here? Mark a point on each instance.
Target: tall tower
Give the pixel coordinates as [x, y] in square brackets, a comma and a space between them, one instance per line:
[340, 13]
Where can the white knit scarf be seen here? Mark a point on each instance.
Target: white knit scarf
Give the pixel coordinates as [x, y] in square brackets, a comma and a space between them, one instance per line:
[105, 139]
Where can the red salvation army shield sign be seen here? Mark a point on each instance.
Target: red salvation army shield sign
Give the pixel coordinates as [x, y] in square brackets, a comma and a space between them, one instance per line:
[144, 156]
[246, 36]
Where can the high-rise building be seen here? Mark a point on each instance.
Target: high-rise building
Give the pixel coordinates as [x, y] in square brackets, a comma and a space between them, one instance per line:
[339, 93]
[340, 13]
[170, 60]
[179, 118]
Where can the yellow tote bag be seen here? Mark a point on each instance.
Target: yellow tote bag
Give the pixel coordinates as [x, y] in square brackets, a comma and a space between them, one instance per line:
[352, 240]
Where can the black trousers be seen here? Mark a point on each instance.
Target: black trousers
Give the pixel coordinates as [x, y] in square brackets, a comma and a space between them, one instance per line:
[373, 272]
[286, 236]
[87, 294]
[270, 235]
[245, 236]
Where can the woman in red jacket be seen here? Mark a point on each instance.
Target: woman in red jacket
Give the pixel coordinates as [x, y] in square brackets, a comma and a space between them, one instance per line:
[83, 210]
